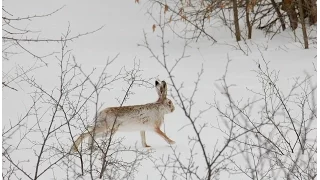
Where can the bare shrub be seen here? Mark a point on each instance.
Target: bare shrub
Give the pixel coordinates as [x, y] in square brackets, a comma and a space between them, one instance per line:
[38, 144]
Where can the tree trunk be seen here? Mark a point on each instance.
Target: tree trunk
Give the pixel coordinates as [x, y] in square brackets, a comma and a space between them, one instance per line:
[249, 26]
[289, 7]
[310, 10]
[274, 4]
[236, 20]
[304, 31]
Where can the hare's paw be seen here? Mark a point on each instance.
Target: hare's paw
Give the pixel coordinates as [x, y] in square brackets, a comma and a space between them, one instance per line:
[146, 146]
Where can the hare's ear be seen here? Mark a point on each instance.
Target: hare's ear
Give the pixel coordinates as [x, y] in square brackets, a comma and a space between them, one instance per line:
[158, 88]
[164, 89]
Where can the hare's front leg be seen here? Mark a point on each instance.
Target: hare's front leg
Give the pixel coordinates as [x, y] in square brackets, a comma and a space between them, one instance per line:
[143, 139]
[163, 135]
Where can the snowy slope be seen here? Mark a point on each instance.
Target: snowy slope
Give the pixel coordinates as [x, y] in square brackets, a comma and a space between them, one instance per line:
[124, 22]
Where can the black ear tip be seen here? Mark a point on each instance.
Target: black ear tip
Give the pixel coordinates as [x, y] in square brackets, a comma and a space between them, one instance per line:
[157, 82]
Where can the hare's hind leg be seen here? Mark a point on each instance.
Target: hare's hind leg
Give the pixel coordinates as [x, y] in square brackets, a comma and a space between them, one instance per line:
[95, 136]
[78, 141]
[163, 135]
[102, 131]
[143, 139]
[90, 134]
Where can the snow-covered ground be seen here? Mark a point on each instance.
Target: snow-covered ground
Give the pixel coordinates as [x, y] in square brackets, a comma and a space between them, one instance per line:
[124, 22]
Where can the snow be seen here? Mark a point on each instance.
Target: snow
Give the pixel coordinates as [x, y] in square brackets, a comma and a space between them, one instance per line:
[124, 22]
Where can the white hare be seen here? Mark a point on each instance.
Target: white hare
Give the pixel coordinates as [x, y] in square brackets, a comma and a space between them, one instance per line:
[146, 117]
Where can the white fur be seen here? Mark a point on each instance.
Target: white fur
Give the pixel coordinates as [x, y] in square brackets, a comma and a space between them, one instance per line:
[140, 118]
